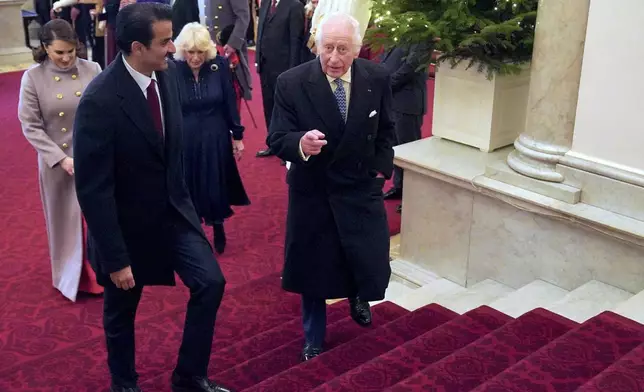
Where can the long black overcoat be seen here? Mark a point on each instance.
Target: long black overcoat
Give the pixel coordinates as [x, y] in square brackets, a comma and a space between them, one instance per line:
[337, 237]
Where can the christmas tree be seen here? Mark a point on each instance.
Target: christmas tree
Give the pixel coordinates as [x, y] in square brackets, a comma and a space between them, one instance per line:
[496, 36]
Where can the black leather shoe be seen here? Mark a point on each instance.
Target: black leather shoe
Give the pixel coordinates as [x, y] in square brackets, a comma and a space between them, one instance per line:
[360, 311]
[393, 194]
[220, 238]
[115, 388]
[265, 153]
[309, 352]
[195, 384]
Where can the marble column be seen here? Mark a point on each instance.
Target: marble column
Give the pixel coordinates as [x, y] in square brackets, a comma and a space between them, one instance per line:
[13, 49]
[554, 88]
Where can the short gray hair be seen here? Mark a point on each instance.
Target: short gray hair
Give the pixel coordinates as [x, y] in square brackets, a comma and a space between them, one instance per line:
[339, 17]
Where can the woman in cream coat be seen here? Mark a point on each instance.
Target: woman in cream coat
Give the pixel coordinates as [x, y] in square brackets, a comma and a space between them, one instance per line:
[49, 95]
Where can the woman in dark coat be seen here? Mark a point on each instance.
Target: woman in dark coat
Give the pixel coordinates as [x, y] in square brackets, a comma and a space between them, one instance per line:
[212, 130]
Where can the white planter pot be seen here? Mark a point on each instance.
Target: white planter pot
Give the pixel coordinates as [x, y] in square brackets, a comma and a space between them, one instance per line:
[473, 110]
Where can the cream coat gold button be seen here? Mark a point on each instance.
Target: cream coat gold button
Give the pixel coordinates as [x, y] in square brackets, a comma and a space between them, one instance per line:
[63, 130]
[59, 96]
[65, 145]
[78, 93]
[74, 77]
[57, 78]
[61, 114]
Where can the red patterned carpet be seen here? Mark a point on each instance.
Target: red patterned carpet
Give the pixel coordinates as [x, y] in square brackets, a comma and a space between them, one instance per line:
[48, 344]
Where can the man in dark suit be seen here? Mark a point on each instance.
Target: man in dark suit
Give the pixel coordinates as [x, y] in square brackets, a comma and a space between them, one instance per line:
[332, 121]
[142, 227]
[409, 89]
[279, 48]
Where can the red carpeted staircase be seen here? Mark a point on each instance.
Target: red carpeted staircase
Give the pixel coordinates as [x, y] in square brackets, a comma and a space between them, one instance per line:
[429, 349]
[48, 344]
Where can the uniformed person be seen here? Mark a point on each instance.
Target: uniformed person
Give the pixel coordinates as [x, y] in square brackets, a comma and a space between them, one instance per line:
[222, 13]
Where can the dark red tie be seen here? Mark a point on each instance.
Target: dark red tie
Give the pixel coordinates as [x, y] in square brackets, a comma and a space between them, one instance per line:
[273, 6]
[155, 108]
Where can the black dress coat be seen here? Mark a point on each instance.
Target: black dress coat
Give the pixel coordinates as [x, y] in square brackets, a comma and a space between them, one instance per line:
[408, 83]
[183, 12]
[279, 37]
[129, 180]
[337, 237]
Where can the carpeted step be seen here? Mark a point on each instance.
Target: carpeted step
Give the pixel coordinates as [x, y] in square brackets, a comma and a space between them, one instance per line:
[246, 310]
[332, 363]
[480, 361]
[256, 370]
[625, 375]
[254, 346]
[415, 355]
[572, 360]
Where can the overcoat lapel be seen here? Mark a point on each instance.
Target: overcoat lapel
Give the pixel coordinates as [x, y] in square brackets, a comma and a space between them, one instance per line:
[321, 96]
[359, 109]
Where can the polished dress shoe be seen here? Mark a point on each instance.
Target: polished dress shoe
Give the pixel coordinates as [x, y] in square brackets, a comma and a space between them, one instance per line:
[265, 153]
[195, 384]
[309, 352]
[393, 194]
[115, 388]
[360, 311]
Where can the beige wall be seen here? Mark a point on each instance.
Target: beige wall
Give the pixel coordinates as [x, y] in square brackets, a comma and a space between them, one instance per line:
[609, 126]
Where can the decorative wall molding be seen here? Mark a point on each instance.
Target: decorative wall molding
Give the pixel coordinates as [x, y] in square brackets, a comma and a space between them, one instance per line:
[603, 168]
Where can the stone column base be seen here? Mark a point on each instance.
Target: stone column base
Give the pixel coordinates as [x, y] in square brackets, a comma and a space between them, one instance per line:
[536, 159]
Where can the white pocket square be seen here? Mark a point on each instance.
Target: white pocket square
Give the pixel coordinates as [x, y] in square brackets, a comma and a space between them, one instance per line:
[373, 113]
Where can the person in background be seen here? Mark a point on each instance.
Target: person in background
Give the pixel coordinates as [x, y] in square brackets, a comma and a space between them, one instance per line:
[223, 13]
[309, 41]
[253, 6]
[332, 121]
[213, 133]
[233, 60]
[279, 48]
[183, 12]
[111, 12]
[142, 225]
[409, 88]
[49, 95]
[95, 13]
[359, 9]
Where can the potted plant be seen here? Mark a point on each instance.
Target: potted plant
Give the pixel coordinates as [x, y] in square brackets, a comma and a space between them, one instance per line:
[485, 47]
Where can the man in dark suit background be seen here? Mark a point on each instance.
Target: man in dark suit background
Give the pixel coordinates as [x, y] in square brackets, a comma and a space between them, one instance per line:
[332, 121]
[142, 227]
[279, 48]
[409, 89]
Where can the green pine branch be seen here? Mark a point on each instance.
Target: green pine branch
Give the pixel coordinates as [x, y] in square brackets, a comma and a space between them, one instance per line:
[496, 36]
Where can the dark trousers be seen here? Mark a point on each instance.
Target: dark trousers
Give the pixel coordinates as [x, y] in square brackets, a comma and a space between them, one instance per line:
[200, 272]
[268, 80]
[314, 320]
[408, 129]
